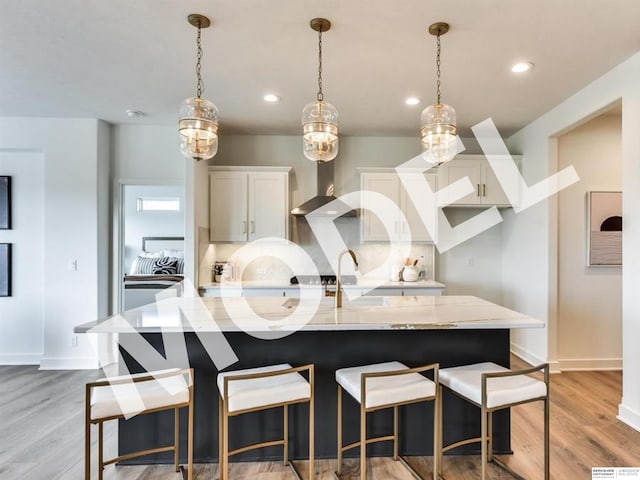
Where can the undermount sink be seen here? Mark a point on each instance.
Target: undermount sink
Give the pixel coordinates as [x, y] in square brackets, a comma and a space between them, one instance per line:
[363, 301]
[368, 301]
[291, 303]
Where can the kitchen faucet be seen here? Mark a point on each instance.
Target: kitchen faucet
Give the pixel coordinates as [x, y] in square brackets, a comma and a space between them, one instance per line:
[339, 277]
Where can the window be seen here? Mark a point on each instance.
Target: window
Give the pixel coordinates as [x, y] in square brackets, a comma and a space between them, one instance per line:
[156, 204]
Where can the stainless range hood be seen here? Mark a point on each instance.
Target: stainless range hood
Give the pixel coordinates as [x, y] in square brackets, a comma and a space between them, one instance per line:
[325, 189]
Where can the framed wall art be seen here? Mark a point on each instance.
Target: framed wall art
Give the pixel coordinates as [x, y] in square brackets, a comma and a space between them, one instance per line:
[5, 269]
[5, 203]
[604, 229]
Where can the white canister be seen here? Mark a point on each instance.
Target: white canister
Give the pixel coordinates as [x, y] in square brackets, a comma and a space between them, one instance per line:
[410, 274]
[396, 271]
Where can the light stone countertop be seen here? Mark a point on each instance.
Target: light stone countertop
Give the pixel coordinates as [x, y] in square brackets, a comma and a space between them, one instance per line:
[258, 284]
[277, 316]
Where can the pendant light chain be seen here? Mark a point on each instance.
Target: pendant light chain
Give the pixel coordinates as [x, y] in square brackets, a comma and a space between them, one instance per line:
[438, 67]
[199, 87]
[320, 95]
[198, 122]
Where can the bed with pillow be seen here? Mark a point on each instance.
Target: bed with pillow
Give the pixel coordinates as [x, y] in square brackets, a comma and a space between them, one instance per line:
[160, 265]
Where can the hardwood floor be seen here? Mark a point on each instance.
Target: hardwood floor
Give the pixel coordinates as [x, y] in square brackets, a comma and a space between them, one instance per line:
[42, 415]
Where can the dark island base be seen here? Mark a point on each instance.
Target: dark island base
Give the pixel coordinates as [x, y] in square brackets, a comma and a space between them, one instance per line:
[328, 351]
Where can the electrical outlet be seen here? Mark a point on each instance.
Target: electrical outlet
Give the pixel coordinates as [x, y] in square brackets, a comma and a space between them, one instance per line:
[74, 341]
[73, 265]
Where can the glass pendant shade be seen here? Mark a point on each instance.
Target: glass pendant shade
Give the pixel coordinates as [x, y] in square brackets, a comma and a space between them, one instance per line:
[320, 131]
[439, 133]
[198, 128]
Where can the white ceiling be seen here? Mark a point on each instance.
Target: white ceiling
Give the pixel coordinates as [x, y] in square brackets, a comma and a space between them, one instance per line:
[97, 58]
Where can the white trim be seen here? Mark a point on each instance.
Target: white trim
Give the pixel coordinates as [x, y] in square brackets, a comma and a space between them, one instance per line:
[570, 364]
[533, 359]
[629, 416]
[69, 363]
[21, 359]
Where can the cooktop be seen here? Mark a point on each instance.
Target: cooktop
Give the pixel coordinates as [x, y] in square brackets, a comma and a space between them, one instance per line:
[321, 280]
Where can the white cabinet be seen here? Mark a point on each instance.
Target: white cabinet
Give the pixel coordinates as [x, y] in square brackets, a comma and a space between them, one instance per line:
[487, 189]
[246, 205]
[389, 184]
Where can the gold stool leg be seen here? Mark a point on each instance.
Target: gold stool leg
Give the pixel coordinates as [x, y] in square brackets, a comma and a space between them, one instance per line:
[312, 430]
[100, 452]
[395, 433]
[286, 434]
[436, 436]
[490, 434]
[177, 439]
[339, 470]
[190, 439]
[483, 440]
[363, 441]
[87, 449]
[220, 439]
[546, 438]
[440, 402]
[225, 444]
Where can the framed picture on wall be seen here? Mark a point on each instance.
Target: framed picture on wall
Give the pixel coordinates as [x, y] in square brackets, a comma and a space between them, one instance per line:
[5, 203]
[604, 229]
[5, 269]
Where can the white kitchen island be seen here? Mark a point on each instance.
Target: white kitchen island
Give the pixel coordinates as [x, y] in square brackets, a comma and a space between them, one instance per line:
[415, 330]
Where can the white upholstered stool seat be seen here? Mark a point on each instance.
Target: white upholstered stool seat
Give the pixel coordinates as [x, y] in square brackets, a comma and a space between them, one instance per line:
[380, 386]
[467, 381]
[263, 388]
[493, 387]
[382, 391]
[123, 399]
[128, 395]
[263, 391]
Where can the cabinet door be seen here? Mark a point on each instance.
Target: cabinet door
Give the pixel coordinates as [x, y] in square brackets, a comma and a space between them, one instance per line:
[372, 229]
[415, 226]
[457, 169]
[228, 206]
[492, 193]
[268, 205]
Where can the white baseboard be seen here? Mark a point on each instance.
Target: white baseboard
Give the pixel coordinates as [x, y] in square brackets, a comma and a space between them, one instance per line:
[533, 359]
[69, 363]
[590, 364]
[629, 416]
[22, 359]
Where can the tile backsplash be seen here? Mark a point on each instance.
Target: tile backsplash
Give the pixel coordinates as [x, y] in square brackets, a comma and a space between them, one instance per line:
[263, 262]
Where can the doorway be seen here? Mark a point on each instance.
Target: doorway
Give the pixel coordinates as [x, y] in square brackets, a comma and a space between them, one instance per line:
[589, 297]
[148, 213]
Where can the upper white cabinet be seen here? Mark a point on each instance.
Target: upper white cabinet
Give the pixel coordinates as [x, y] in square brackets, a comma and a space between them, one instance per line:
[246, 204]
[487, 189]
[411, 227]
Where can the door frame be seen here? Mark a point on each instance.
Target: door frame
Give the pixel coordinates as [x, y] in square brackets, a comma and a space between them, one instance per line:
[117, 302]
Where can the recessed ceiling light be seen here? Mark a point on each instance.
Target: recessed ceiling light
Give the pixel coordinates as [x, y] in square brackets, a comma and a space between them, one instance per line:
[521, 67]
[271, 98]
[412, 101]
[135, 113]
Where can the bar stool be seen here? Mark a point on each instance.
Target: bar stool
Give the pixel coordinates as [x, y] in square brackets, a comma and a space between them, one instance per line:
[263, 388]
[381, 386]
[491, 388]
[119, 397]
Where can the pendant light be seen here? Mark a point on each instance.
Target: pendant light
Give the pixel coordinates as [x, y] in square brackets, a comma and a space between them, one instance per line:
[438, 131]
[319, 118]
[198, 124]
